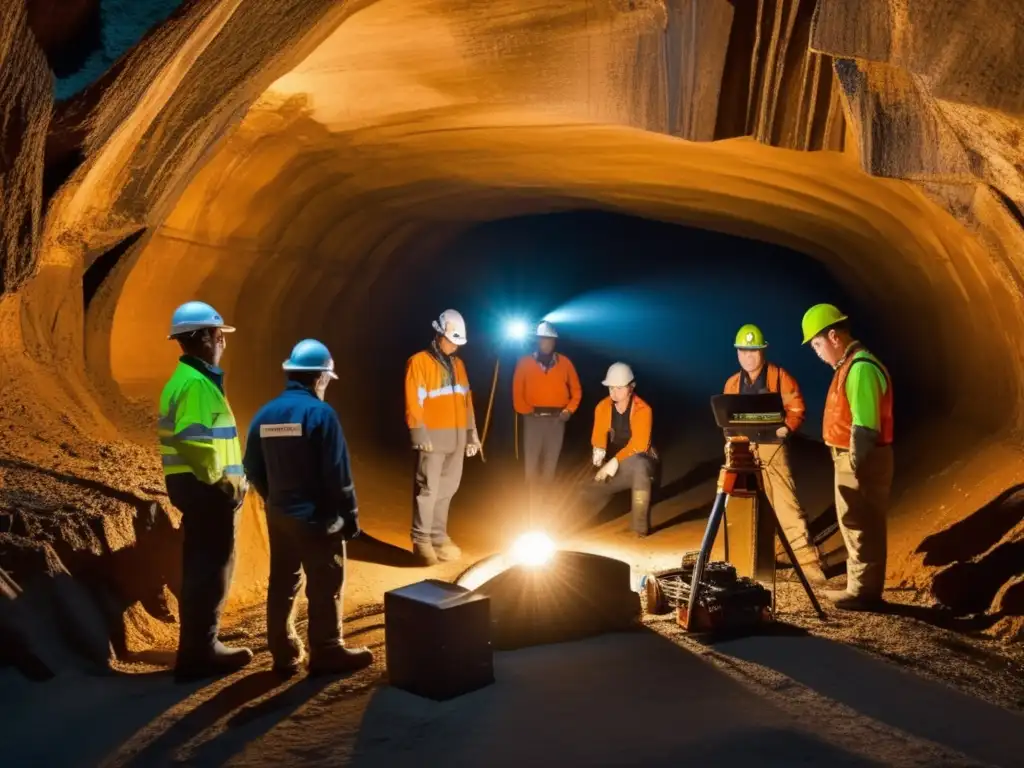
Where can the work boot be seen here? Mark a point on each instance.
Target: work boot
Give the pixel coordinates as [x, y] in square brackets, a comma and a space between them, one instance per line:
[213, 662]
[338, 660]
[288, 659]
[424, 553]
[640, 515]
[447, 551]
[846, 601]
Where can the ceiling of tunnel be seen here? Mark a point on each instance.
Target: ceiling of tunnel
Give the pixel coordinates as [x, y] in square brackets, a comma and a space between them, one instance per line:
[409, 122]
[298, 151]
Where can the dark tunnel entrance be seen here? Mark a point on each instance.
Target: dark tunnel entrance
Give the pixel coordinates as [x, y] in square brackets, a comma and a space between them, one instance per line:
[664, 298]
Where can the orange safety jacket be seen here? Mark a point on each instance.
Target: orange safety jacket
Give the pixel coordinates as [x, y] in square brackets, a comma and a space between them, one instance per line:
[534, 387]
[779, 381]
[439, 410]
[837, 424]
[641, 421]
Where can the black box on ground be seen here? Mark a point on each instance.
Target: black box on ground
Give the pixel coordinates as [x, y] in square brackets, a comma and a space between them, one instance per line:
[438, 639]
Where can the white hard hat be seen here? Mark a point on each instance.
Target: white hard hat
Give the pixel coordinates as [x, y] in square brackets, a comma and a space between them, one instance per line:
[619, 375]
[451, 325]
[547, 331]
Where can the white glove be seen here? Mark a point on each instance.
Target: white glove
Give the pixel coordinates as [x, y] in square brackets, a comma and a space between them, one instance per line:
[598, 457]
[472, 450]
[782, 432]
[607, 471]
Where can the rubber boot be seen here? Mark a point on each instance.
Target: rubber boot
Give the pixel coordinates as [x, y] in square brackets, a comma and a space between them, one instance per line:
[447, 551]
[424, 553]
[216, 661]
[338, 659]
[641, 513]
[289, 657]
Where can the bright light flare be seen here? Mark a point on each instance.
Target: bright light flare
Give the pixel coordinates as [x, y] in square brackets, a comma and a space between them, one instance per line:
[516, 330]
[532, 549]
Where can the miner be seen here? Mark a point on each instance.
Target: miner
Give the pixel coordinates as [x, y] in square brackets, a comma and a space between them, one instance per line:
[622, 430]
[858, 429]
[203, 470]
[758, 376]
[546, 393]
[442, 429]
[297, 459]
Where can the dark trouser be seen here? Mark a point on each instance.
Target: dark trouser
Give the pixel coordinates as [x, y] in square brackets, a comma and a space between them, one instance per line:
[542, 444]
[635, 475]
[209, 521]
[296, 547]
[438, 476]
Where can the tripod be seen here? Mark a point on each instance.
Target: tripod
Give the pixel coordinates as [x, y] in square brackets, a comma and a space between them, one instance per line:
[742, 477]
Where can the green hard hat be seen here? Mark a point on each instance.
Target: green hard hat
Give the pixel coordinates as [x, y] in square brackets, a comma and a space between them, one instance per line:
[818, 318]
[750, 337]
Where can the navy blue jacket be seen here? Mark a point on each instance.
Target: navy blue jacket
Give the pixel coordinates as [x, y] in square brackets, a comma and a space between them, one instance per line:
[297, 459]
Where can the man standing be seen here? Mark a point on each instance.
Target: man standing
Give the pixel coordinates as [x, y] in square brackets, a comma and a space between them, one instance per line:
[858, 428]
[622, 427]
[758, 376]
[442, 426]
[203, 471]
[546, 392]
[297, 459]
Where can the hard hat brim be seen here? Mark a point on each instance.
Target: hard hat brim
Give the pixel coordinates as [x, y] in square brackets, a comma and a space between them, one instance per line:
[751, 346]
[191, 327]
[286, 366]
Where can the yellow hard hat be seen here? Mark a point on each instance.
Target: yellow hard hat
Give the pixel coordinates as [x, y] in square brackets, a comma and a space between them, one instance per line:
[818, 318]
[750, 337]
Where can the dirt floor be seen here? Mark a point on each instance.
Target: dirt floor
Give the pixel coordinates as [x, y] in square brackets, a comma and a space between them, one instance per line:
[907, 687]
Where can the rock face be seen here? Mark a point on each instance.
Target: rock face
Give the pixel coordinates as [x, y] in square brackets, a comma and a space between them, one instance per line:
[297, 151]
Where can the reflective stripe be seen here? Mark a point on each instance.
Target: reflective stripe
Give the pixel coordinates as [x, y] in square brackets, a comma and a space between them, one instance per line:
[234, 469]
[199, 432]
[458, 389]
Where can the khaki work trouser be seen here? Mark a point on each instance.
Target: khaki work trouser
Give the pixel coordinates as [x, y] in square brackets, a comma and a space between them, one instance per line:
[862, 503]
[781, 492]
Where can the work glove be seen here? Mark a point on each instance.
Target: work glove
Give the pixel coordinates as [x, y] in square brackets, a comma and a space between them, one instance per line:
[347, 525]
[862, 443]
[473, 446]
[565, 415]
[234, 487]
[598, 457]
[607, 471]
[420, 441]
[782, 432]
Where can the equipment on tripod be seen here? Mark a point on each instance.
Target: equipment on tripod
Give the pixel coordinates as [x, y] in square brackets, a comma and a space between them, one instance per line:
[726, 601]
[751, 522]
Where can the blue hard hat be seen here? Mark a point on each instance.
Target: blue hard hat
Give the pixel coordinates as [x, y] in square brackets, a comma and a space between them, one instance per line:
[194, 316]
[310, 355]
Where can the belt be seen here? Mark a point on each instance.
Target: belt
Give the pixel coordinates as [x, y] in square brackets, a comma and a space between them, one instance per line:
[547, 411]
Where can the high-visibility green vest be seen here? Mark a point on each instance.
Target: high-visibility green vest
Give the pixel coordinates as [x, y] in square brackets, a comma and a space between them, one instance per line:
[197, 429]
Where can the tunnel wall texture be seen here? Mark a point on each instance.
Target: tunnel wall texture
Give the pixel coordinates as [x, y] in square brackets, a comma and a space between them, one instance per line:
[284, 158]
